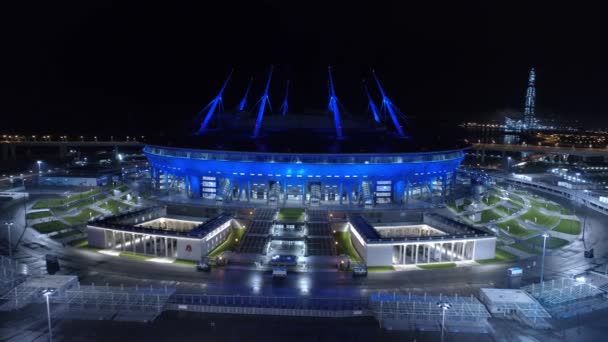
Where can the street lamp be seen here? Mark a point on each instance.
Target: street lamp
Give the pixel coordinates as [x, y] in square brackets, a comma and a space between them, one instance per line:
[47, 293]
[39, 163]
[8, 225]
[444, 306]
[542, 262]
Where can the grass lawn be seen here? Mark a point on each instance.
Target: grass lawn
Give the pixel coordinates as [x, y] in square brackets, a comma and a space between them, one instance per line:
[51, 226]
[491, 200]
[541, 219]
[440, 265]
[489, 215]
[185, 262]
[231, 241]
[113, 206]
[132, 255]
[345, 246]
[82, 217]
[522, 247]
[500, 256]
[516, 205]
[571, 227]
[291, 214]
[122, 188]
[453, 206]
[516, 199]
[514, 228]
[58, 202]
[69, 233]
[39, 214]
[505, 210]
[552, 242]
[380, 268]
[79, 243]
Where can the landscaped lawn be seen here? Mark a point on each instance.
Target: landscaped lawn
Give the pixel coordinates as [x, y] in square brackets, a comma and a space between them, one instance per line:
[440, 265]
[566, 226]
[552, 242]
[51, 226]
[491, 200]
[185, 262]
[82, 217]
[541, 219]
[38, 214]
[122, 188]
[113, 206]
[489, 215]
[515, 204]
[79, 243]
[380, 268]
[514, 228]
[345, 246]
[500, 256]
[291, 214]
[231, 241]
[69, 233]
[132, 255]
[505, 210]
[550, 206]
[57, 202]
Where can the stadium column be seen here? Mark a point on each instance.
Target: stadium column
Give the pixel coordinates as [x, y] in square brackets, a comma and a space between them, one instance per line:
[304, 192]
[143, 239]
[155, 246]
[166, 248]
[248, 191]
[166, 181]
[444, 185]
[122, 245]
[452, 252]
[416, 254]
[195, 186]
[398, 191]
[341, 191]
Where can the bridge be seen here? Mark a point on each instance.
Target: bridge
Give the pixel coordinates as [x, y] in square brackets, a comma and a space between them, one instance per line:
[584, 152]
[9, 148]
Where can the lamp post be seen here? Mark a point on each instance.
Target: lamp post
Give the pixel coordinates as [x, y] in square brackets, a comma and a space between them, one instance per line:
[444, 306]
[8, 225]
[542, 262]
[39, 163]
[47, 293]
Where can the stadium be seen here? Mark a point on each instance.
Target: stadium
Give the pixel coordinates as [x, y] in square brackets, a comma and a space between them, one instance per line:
[306, 159]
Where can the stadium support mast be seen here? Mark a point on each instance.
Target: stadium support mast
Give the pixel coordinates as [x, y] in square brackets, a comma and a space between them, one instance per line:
[529, 115]
[372, 105]
[243, 102]
[334, 106]
[263, 100]
[212, 106]
[285, 106]
[390, 107]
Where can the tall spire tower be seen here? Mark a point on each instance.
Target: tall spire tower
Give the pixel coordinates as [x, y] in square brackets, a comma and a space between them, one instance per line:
[529, 115]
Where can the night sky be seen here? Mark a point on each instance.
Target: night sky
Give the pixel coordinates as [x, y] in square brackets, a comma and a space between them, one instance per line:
[99, 67]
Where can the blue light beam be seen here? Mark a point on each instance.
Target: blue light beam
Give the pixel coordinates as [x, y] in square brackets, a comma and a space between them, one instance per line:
[372, 105]
[263, 100]
[390, 107]
[243, 102]
[212, 106]
[334, 106]
[285, 105]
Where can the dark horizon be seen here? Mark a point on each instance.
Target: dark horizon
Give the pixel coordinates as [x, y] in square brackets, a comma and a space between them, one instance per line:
[104, 68]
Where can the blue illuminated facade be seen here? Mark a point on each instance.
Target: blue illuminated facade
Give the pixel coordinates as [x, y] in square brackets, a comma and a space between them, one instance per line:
[306, 179]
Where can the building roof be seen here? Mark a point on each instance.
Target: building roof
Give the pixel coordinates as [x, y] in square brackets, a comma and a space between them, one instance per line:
[509, 296]
[204, 229]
